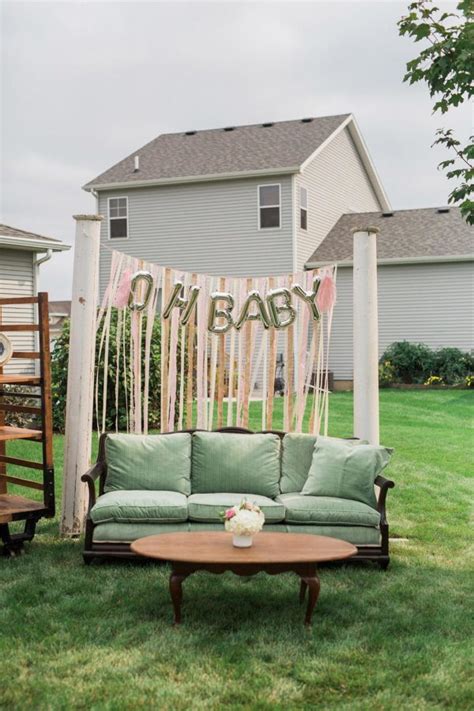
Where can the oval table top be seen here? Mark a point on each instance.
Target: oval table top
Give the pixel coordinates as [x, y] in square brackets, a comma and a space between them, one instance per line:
[204, 547]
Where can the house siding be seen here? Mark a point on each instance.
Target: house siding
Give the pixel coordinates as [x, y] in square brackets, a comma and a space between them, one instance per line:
[17, 279]
[203, 227]
[337, 182]
[420, 303]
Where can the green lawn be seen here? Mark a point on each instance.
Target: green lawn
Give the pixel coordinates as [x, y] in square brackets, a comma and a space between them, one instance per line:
[99, 637]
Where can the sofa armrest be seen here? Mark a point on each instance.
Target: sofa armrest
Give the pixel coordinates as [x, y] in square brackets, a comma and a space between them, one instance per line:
[90, 478]
[384, 485]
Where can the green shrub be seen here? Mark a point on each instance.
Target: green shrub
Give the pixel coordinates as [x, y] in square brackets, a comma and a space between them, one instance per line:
[411, 362]
[59, 366]
[386, 374]
[452, 365]
[417, 363]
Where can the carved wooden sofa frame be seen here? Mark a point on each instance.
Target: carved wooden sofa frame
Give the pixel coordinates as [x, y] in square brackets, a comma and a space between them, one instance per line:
[98, 473]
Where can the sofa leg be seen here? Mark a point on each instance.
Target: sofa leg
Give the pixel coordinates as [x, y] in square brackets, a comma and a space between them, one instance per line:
[384, 563]
[87, 559]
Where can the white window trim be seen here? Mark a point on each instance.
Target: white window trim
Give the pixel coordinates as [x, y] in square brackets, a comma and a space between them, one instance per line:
[302, 187]
[117, 197]
[269, 185]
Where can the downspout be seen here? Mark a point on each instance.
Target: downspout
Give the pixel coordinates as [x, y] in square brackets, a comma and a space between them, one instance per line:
[41, 260]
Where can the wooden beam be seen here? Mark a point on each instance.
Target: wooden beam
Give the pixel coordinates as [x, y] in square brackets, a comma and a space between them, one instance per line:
[20, 462]
[22, 482]
[19, 327]
[9, 300]
[80, 384]
[26, 354]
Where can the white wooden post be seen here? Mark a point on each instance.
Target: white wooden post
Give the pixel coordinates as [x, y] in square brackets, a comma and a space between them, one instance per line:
[80, 381]
[366, 335]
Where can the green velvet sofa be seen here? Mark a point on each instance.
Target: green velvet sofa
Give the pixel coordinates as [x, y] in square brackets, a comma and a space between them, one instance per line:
[201, 474]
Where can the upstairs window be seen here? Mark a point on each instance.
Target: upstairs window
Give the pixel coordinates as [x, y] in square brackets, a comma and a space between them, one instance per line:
[303, 208]
[118, 218]
[268, 206]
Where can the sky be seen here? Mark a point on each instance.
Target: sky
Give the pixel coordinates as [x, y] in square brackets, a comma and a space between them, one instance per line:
[83, 84]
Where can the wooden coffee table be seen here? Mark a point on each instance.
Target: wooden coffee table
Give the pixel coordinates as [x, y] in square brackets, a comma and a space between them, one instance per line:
[271, 552]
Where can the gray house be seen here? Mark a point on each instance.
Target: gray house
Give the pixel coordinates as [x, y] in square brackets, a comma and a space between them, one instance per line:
[21, 254]
[425, 281]
[238, 201]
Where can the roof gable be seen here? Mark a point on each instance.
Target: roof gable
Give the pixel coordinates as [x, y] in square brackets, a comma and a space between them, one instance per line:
[404, 235]
[274, 147]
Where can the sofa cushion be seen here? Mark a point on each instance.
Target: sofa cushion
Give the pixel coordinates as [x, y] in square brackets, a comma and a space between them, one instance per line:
[113, 532]
[209, 507]
[126, 532]
[357, 535]
[345, 472]
[235, 463]
[296, 459]
[327, 510]
[150, 462]
[140, 506]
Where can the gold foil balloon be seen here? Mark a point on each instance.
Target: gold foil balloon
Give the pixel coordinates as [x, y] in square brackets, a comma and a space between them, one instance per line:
[215, 312]
[276, 310]
[139, 281]
[185, 305]
[188, 309]
[260, 315]
[310, 297]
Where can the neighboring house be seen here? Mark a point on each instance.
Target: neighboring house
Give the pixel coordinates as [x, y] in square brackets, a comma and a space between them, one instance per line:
[425, 280]
[59, 312]
[238, 201]
[21, 254]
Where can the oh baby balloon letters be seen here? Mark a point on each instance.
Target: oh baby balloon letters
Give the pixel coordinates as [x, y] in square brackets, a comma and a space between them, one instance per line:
[275, 309]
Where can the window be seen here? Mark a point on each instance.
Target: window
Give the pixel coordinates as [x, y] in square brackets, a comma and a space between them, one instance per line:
[268, 206]
[303, 208]
[118, 218]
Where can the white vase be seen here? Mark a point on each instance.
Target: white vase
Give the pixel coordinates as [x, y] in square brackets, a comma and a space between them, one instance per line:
[242, 541]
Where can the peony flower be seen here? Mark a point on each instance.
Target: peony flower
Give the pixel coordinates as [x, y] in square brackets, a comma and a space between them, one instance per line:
[230, 513]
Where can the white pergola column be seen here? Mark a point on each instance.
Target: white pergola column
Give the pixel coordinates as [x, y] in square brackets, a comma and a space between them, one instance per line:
[366, 335]
[80, 381]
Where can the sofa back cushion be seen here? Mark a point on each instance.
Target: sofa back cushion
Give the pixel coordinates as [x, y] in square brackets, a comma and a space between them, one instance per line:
[296, 461]
[152, 462]
[235, 463]
[344, 471]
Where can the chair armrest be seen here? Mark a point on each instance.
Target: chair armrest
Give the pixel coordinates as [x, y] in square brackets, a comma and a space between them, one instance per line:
[90, 478]
[384, 485]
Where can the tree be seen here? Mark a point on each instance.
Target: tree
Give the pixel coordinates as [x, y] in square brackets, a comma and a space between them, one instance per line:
[447, 66]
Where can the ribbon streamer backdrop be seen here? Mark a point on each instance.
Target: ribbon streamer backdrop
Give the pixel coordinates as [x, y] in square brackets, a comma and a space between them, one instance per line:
[208, 380]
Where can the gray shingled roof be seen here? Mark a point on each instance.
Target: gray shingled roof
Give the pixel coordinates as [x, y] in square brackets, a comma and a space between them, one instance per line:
[245, 149]
[7, 231]
[427, 232]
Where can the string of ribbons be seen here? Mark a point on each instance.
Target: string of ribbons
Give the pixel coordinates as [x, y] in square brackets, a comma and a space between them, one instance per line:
[223, 344]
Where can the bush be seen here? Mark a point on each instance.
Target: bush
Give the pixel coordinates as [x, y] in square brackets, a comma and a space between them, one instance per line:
[59, 367]
[405, 362]
[386, 374]
[452, 365]
[411, 362]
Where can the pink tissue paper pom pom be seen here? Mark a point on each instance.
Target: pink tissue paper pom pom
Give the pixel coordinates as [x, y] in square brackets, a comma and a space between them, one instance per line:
[326, 297]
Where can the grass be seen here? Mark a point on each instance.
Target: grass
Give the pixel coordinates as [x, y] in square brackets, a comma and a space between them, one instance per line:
[99, 637]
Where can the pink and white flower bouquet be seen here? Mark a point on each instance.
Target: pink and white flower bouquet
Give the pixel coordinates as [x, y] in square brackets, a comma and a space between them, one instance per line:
[243, 521]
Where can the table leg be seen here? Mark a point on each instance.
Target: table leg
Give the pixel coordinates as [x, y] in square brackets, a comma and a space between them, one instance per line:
[313, 585]
[176, 592]
[303, 586]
